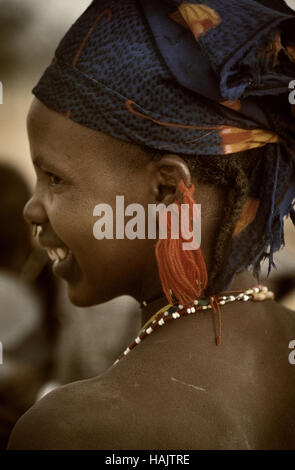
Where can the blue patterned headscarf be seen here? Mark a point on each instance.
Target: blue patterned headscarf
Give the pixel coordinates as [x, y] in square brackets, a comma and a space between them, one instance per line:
[195, 78]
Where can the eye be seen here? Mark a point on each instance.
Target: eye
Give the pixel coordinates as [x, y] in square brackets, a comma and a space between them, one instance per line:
[53, 179]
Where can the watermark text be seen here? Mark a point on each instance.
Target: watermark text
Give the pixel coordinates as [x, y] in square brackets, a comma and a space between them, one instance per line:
[292, 92]
[173, 221]
[292, 353]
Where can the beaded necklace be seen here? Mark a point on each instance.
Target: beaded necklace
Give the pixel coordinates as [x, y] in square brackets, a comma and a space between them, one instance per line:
[173, 312]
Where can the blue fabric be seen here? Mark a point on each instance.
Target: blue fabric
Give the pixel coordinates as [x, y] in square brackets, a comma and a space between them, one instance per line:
[144, 72]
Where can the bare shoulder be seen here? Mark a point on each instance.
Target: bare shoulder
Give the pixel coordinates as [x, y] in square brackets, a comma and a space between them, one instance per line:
[125, 408]
[105, 412]
[44, 425]
[74, 416]
[178, 390]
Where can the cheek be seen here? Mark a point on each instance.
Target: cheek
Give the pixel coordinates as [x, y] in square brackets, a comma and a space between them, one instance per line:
[108, 267]
[72, 221]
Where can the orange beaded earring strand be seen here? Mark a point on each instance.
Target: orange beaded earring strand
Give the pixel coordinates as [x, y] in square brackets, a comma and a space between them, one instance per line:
[183, 273]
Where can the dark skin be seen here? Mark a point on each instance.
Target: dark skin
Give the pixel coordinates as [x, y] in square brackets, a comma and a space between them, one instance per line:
[177, 389]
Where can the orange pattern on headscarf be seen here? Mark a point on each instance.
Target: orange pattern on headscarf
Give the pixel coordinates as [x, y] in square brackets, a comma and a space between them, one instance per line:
[178, 18]
[130, 106]
[108, 13]
[273, 49]
[290, 51]
[198, 18]
[235, 139]
[235, 105]
[248, 214]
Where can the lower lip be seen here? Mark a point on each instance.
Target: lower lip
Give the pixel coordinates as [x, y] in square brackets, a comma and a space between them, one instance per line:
[66, 268]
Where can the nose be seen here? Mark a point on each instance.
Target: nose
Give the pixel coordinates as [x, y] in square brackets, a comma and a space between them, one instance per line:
[34, 211]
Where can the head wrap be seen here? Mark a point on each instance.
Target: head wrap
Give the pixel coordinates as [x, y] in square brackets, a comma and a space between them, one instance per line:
[191, 77]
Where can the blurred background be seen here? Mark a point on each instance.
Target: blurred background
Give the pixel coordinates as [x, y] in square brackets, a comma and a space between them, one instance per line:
[47, 341]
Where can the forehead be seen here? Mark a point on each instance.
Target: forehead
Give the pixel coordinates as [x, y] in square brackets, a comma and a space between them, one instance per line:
[52, 130]
[52, 135]
[66, 145]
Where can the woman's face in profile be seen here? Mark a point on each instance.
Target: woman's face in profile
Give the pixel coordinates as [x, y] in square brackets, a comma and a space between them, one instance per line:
[76, 170]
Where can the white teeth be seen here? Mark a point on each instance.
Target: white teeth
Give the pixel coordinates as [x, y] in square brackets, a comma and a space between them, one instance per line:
[61, 253]
[57, 254]
[52, 255]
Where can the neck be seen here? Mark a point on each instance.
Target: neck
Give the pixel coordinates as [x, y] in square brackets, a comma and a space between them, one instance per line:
[241, 282]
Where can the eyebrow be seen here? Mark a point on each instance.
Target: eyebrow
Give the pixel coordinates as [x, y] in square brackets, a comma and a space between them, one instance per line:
[40, 162]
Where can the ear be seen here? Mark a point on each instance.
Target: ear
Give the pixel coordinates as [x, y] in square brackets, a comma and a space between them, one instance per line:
[169, 171]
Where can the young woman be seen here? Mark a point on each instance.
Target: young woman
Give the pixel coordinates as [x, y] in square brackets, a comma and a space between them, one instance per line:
[171, 102]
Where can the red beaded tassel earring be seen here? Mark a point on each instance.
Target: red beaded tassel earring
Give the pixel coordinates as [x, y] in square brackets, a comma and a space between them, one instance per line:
[183, 273]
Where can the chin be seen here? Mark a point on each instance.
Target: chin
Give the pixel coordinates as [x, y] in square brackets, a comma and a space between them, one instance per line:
[82, 297]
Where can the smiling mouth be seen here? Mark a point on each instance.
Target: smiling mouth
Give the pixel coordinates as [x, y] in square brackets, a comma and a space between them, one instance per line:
[63, 263]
